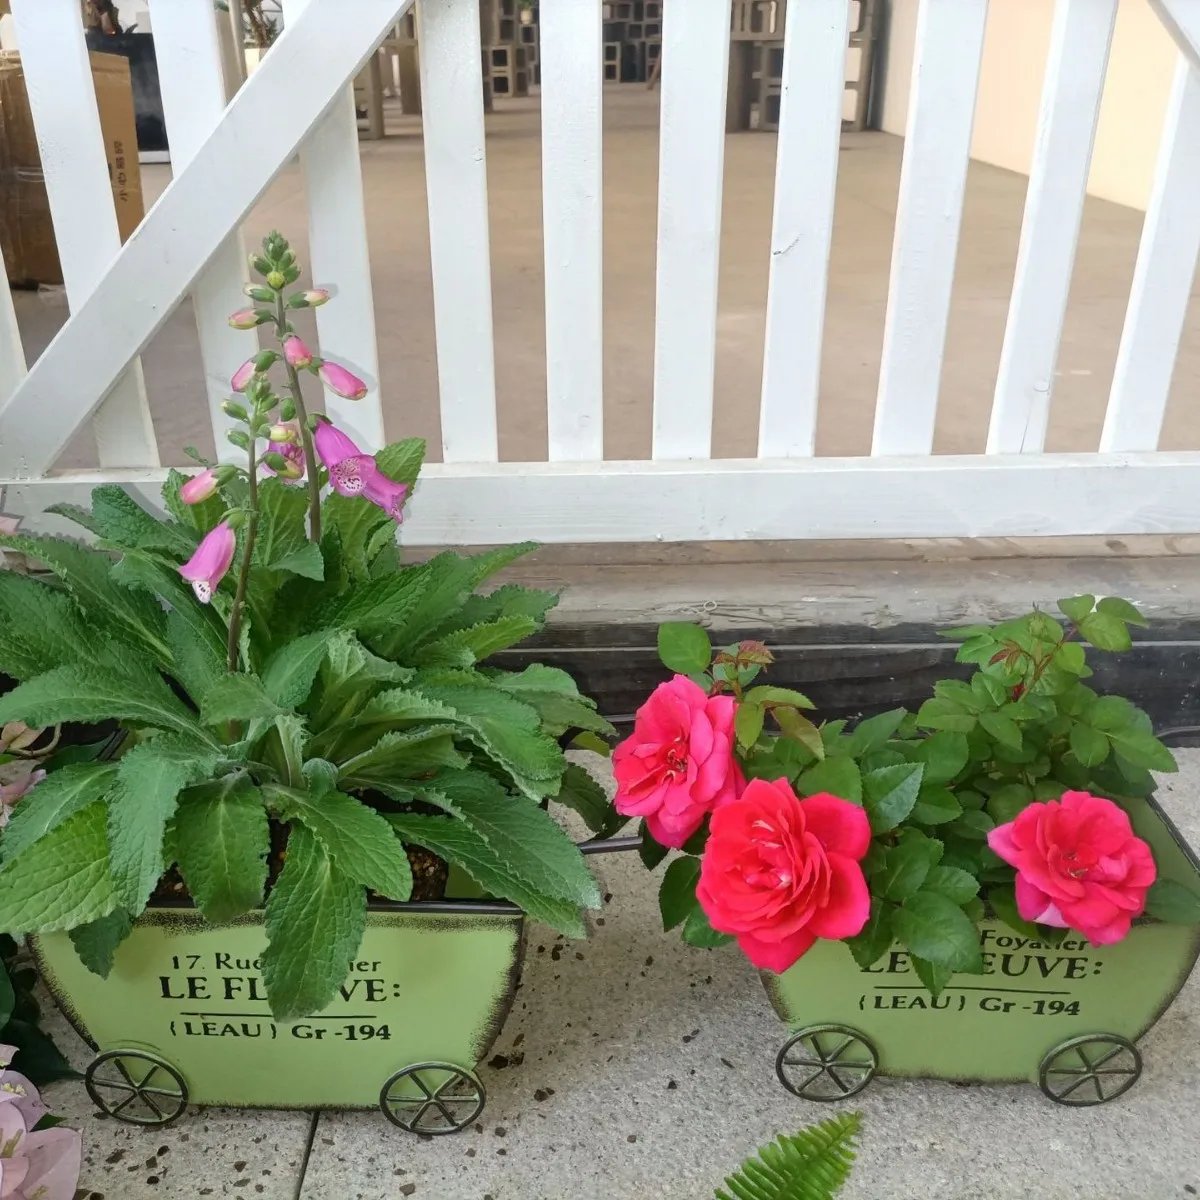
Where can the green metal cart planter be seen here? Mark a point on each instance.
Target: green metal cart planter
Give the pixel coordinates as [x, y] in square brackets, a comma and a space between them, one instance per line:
[182, 1018]
[1065, 1016]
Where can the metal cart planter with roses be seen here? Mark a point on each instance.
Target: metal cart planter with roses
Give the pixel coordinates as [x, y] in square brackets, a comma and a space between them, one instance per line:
[984, 890]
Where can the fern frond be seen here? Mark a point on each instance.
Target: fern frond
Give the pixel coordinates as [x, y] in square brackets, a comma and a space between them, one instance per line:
[809, 1165]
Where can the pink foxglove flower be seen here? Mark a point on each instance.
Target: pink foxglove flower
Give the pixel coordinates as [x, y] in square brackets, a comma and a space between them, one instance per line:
[199, 487]
[244, 318]
[296, 352]
[242, 376]
[341, 382]
[353, 473]
[206, 568]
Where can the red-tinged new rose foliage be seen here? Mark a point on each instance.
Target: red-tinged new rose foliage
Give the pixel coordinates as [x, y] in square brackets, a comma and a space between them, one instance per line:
[678, 765]
[779, 872]
[1079, 865]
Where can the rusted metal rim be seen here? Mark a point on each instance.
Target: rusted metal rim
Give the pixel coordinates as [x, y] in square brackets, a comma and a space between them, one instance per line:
[137, 1087]
[433, 1097]
[1093, 1068]
[826, 1063]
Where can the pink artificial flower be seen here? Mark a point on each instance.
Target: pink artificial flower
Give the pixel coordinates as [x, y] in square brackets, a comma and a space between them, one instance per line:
[341, 382]
[316, 296]
[206, 568]
[1079, 865]
[296, 352]
[678, 763]
[199, 487]
[243, 375]
[779, 872]
[53, 1158]
[244, 318]
[18, 785]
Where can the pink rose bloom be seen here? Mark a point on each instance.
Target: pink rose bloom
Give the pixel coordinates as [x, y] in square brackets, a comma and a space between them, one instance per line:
[678, 763]
[1079, 865]
[779, 872]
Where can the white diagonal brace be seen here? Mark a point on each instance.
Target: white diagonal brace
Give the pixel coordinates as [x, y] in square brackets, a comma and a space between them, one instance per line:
[1182, 19]
[304, 74]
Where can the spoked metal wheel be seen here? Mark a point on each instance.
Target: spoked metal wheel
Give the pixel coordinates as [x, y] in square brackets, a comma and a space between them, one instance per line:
[826, 1062]
[432, 1097]
[1091, 1069]
[137, 1087]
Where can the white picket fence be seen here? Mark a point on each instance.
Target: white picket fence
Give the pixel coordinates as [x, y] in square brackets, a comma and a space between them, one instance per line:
[225, 156]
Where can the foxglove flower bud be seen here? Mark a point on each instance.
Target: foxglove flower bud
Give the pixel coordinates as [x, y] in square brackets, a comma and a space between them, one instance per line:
[296, 352]
[341, 382]
[199, 487]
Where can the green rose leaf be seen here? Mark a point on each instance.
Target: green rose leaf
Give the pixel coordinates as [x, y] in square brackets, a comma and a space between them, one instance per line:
[800, 729]
[956, 885]
[1105, 632]
[940, 713]
[1114, 606]
[935, 806]
[315, 919]
[905, 866]
[677, 893]
[933, 975]
[778, 695]
[875, 731]
[1171, 901]
[936, 929]
[1077, 607]
[1002, 728]
[973, 825]
[1003, 903]
[650, 852]
[698, 932]
[838, 776]
[889, 794]
[684, 648]
[944, 754]
[748, 724]
[1005, 803]
[1089, 745]
[1142, 749]
[875, 938]
[222, 842]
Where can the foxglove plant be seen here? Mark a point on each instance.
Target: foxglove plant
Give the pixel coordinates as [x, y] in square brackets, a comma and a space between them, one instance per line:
[283, 677]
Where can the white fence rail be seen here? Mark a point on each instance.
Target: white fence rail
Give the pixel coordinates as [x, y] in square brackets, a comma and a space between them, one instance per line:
[225, 155]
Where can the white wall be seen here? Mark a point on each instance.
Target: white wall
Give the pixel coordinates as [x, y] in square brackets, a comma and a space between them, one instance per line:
[1014, 61]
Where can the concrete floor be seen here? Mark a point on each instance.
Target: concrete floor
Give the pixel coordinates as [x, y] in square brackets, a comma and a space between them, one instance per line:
[635, 1068]
[866, 201]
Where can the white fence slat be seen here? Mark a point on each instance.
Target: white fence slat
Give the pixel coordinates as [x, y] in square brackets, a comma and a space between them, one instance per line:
[937, 143]
[939, 496]
[12, 352]
[1078, 59]
[1162, 278]
[572, 221]
[191, 76]
[62, 98]
[456, 185]
[296, 83]
[1182, 19]
[695, 50]
[810, 126]
[337, 248]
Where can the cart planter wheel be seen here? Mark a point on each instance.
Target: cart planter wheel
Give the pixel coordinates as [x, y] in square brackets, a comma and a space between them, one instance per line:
[1061, 1013]
[433, 1098]
[1089, 1070]
[826, 1063]
[136, 1087]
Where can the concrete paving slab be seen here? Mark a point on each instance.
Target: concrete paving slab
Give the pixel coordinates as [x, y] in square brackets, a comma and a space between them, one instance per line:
[633, 1067]
[208, 1152]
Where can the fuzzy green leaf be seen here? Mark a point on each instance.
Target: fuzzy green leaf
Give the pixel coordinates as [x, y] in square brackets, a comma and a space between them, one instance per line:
[810, 1165]
[282, 527]
[96, 942]
[149, 780]
[59, 796]
[532, 844]
[356, 523]
[197, 650]
[461, 846]
[377, 606]
[316, 914]
[401, 461]
[222, 842]
[62, 880]
[684, 648]
[938, 930]
[476, 643]
[118, 518]
[677, 892]
[40, 627]
[356, 837]
[553, 694]
[288, 675]
[585, 796]
[889, 794]
[238, 698]
[84, 693]
[401, 753]
[305, 561]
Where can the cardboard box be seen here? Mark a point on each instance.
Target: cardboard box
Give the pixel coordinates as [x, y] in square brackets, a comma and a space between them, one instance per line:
[26, 229]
